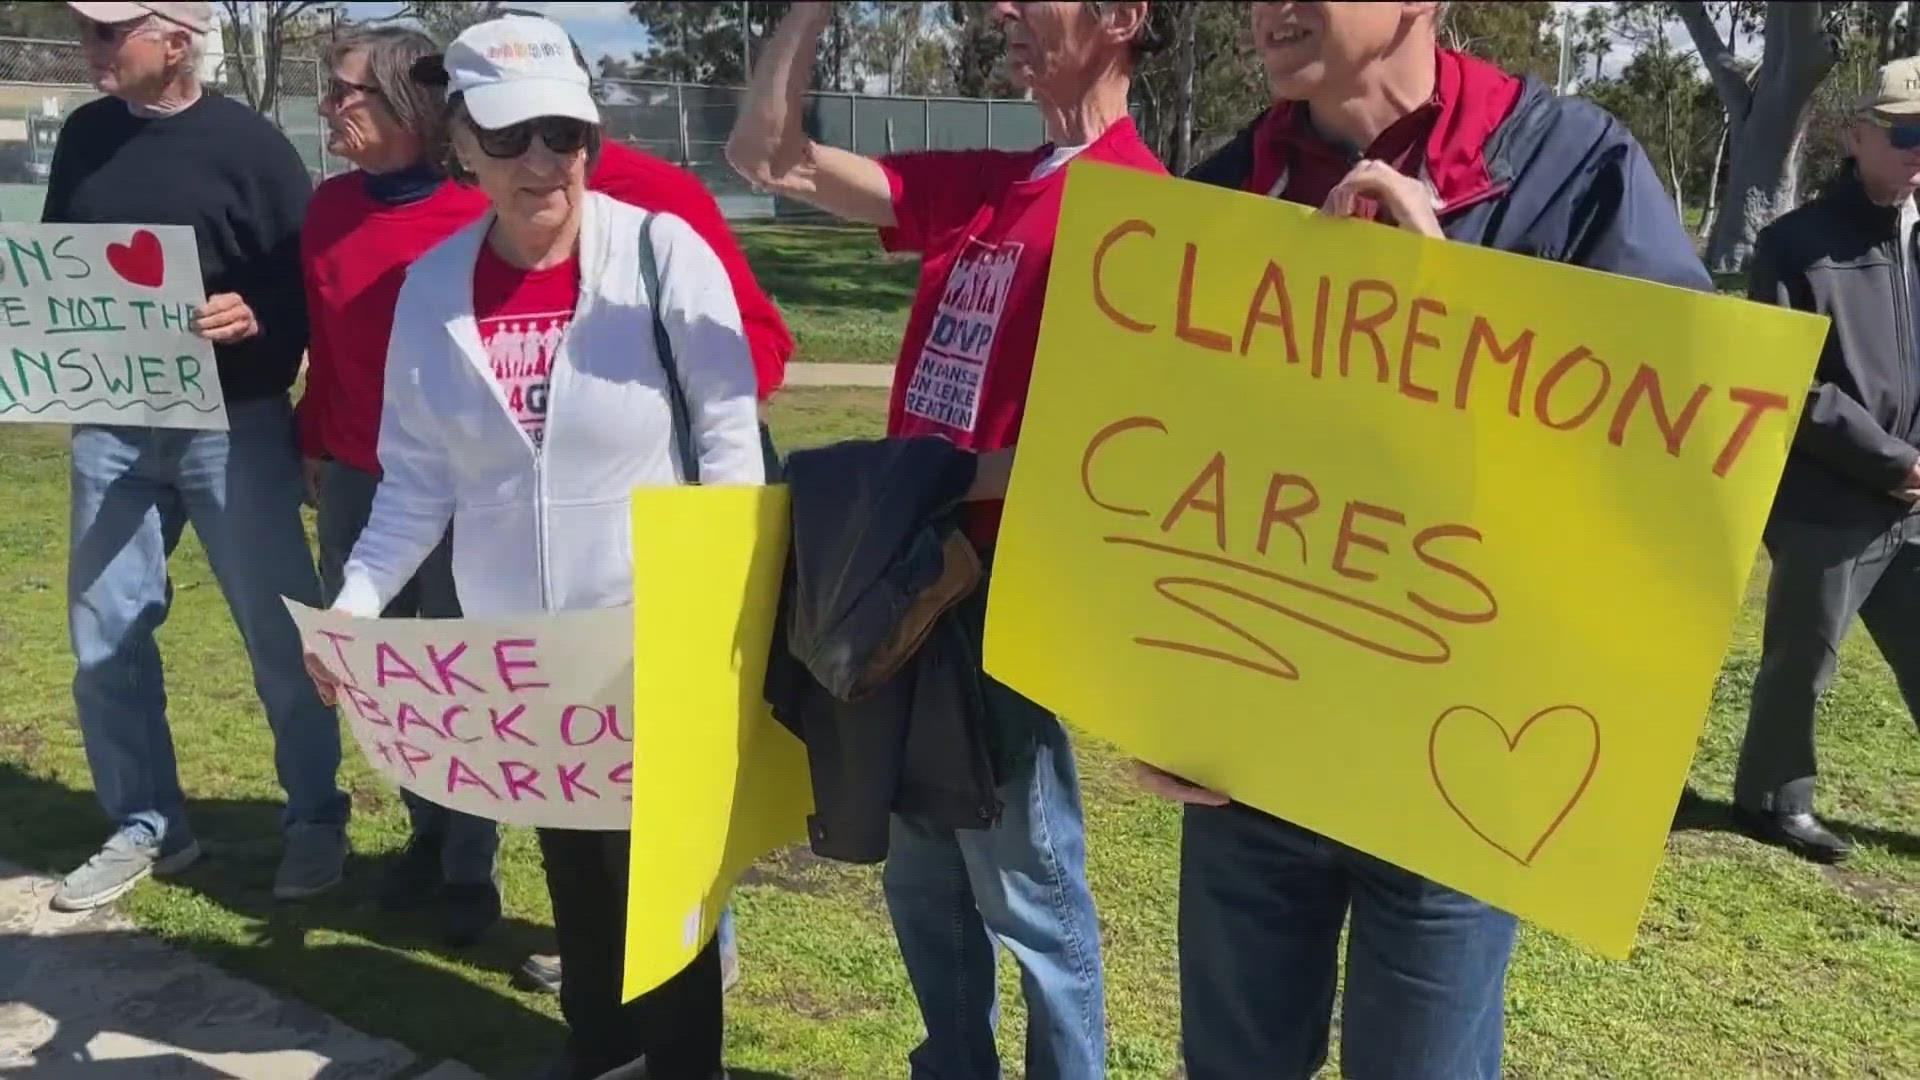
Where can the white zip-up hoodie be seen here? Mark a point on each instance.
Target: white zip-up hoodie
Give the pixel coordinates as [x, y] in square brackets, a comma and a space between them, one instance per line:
[550, 530]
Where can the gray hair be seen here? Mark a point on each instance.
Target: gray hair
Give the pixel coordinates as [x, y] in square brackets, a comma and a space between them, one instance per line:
[391, 52]
[188, 68]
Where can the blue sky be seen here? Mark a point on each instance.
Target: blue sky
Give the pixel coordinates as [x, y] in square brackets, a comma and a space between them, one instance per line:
[600, 28]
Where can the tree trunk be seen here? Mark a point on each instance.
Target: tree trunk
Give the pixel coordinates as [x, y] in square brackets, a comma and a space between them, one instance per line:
[1710, 213]
[1883, 13]
[1762, 180]
[1767, 120]
[270, 82]
[1677, 177]
[1188, 29]
[257, 56]
[837, 49]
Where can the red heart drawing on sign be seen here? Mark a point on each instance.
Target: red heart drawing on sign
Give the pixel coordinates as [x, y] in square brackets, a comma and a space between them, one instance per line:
[140, 262]
[1513, 760]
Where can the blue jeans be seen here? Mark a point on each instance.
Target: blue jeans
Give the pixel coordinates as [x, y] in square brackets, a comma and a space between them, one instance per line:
[953, 893]
[133, 491]
[1261, 906]
[468, 844]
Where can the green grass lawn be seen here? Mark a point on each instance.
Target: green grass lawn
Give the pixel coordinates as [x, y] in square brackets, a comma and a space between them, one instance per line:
[1750, 963]
[844, 299]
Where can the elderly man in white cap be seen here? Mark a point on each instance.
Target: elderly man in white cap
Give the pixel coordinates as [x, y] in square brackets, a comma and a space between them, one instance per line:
[158, 150]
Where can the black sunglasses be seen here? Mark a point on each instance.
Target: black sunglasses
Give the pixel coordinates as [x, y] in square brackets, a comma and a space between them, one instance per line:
[1899, 135]
[338, 90]
[562, 134]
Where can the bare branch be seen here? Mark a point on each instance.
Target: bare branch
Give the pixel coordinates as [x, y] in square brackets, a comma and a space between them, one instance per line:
[1809, 49]
[1718, 57]
[262, 30]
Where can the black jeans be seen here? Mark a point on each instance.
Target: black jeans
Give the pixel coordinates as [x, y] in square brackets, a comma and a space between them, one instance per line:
[677, 1027]
[1823, 575]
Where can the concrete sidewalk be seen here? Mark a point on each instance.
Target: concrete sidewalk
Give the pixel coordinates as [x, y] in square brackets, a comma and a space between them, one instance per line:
[88, 997]
[810, 374]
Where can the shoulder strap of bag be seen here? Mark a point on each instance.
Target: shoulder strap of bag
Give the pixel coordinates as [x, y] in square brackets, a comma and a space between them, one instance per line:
[663, 347]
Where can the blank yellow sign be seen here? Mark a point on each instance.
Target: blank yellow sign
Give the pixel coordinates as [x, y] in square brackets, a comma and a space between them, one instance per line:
[717, 782]
[1430, 548]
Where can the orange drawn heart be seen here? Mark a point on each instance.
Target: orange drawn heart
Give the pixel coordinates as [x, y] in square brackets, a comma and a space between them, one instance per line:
[141, 262]
[1514, 761]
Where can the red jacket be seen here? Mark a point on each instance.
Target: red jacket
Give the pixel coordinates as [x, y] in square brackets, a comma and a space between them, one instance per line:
[1444, 140]
[355, 252]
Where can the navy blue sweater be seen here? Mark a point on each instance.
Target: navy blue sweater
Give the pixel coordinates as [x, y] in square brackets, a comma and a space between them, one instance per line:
[223, 169]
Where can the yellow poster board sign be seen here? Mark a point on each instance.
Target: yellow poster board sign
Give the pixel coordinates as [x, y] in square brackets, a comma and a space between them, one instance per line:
[1429, 548]
[717, 781]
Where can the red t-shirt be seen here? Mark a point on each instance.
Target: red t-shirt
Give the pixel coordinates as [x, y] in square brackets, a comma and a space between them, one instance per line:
[523, 315]
[983, 224]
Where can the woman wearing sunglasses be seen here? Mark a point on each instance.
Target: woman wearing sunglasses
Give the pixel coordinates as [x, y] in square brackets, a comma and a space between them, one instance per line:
[525, 398]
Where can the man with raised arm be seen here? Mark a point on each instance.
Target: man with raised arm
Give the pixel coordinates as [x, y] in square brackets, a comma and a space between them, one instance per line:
[983, 223]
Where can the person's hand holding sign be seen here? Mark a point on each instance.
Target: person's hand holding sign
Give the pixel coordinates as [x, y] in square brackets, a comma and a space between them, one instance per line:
[1403, 200]
[225, 319]
[325, 683]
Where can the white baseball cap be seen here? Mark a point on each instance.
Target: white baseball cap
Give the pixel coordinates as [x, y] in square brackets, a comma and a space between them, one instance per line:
[516, 68]
[197, 17]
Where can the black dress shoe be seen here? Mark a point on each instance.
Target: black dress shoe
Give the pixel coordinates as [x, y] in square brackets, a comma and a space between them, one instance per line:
[1799, 832]
[413, 878]
[469, 911]
[564, 1067]
[569, 1067]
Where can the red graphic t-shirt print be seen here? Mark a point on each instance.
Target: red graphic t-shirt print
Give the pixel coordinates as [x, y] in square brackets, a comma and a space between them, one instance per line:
[523, 316]
[949, 376]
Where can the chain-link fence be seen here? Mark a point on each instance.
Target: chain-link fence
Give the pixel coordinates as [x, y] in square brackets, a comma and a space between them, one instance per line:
[41, 82]
[688, 124]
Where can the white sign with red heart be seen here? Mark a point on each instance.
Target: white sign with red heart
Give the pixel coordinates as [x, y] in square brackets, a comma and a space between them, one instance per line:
[96, 328]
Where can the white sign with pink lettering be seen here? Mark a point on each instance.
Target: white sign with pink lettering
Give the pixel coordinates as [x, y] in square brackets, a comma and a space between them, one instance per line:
[524, 721]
